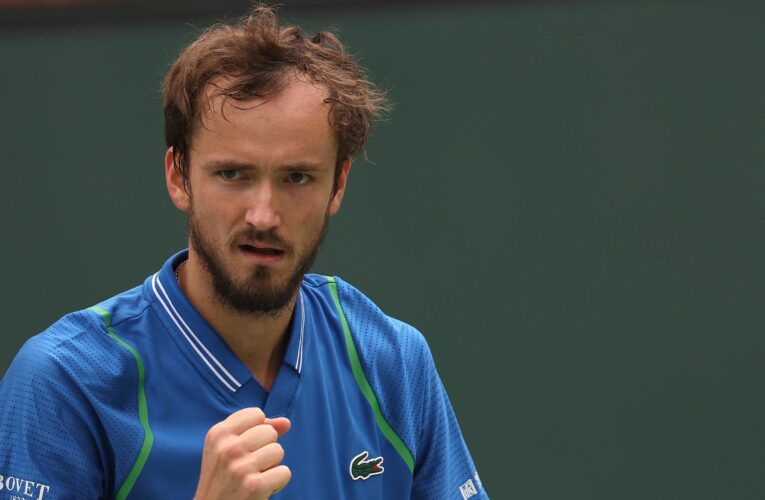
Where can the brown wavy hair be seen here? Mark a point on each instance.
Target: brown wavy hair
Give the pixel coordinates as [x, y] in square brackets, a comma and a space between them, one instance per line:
[253, 59]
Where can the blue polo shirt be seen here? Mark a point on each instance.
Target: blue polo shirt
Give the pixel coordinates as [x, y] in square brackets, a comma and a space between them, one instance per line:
[115, 401]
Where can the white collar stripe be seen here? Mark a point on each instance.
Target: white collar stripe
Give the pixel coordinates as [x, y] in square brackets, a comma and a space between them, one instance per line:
[299, 362]
[191, 332]
[154, 289]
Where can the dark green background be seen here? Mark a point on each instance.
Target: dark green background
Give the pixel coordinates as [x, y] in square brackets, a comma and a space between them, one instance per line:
[567, 201]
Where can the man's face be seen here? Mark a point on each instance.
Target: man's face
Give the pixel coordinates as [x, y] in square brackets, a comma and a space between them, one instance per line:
[261, 179]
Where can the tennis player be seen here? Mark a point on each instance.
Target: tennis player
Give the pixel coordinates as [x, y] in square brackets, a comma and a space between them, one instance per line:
[231, 373]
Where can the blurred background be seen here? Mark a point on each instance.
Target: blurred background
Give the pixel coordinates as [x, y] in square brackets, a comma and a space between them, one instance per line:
[567, 201]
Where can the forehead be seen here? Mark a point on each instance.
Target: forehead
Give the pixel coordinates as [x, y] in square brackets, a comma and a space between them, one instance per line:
[289, 126]
[294, 120]
[295, 97]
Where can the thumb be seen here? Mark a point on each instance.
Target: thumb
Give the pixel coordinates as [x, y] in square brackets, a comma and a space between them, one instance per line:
[281, 424]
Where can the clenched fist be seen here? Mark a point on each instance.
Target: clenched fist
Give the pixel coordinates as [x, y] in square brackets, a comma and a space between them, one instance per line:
[241, 458]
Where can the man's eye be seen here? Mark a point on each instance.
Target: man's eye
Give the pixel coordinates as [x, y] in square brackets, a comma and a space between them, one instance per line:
[298, 178]
[230, 175]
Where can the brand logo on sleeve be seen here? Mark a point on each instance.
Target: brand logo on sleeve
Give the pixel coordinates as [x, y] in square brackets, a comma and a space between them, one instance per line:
[468, 489]
[361, 468]
[22, 489]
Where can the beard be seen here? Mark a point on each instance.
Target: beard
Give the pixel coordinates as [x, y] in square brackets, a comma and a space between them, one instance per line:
[261, 292]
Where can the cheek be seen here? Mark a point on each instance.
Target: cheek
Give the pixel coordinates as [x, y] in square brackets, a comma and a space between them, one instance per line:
[304, 225]
[213, 217]
[313, 212]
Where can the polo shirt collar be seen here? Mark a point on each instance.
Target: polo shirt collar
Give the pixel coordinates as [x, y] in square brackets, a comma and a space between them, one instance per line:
[203, 343]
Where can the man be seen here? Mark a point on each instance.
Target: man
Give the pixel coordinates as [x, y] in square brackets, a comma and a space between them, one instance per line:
[231, 373]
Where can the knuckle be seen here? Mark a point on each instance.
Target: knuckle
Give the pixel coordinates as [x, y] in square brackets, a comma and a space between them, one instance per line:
[270, 433]
[213, 434]
[214, 438]
[278, 450]
[257, 413]
[238, 471]
[253, 483]
[232, 450]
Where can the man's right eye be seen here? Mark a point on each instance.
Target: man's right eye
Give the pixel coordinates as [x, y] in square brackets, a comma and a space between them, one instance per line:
[230, 175]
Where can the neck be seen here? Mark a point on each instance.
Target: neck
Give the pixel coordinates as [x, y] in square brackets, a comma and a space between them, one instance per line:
[258, 340]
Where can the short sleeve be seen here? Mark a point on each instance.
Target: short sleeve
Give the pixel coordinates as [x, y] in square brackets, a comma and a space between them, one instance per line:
[444, 468]
[48, 444]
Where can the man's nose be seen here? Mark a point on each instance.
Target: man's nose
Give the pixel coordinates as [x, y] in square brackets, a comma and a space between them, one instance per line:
[262, 212]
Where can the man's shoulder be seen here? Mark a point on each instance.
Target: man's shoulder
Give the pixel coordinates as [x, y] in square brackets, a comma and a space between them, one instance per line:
[367, 317]
[77, 344]
[70, 391]
[381, 339]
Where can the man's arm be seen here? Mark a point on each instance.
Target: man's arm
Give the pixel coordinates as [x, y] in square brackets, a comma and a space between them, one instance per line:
[48, 444]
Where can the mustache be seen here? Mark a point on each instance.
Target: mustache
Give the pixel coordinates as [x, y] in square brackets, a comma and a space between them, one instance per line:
[270, 237]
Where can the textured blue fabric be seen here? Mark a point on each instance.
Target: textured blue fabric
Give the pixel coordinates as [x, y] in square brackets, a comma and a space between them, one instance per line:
[400, 369]
[70, 428]
[69, 418]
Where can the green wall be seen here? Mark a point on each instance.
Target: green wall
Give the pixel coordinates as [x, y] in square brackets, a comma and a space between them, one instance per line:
[568, 202]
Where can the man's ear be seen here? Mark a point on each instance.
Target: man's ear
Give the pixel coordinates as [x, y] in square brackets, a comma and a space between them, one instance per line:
[342, 181]
[176, 187]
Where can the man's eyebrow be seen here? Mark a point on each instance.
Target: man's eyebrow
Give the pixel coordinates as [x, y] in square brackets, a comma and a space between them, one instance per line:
[227, 165]
[302, 167]
[305, 166]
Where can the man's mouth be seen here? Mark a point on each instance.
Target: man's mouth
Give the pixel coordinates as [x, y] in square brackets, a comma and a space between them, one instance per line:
[260, 250]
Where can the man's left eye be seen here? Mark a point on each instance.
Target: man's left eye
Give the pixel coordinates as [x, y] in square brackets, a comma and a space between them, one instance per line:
[298, 178]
